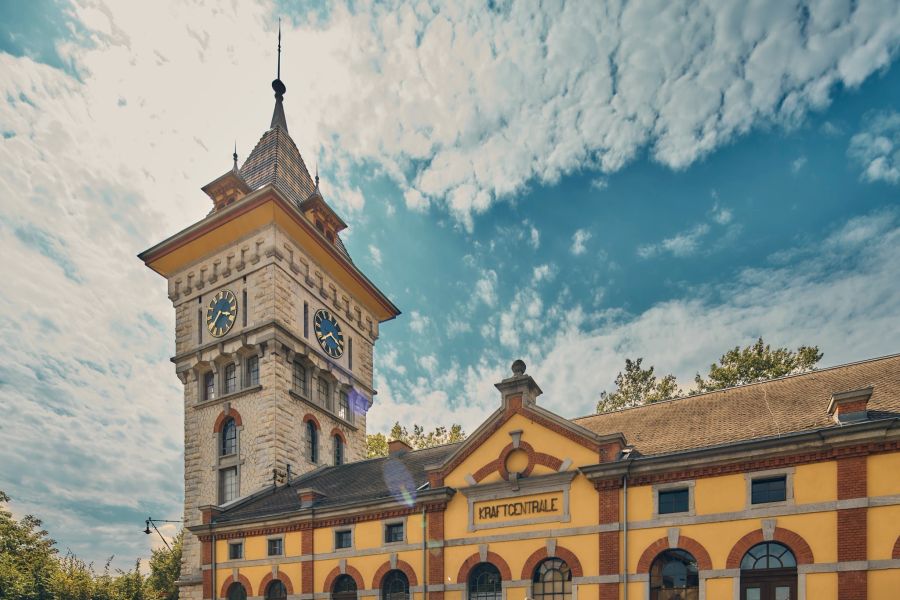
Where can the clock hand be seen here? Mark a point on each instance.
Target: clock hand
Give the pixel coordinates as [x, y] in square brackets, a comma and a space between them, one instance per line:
[329, 335]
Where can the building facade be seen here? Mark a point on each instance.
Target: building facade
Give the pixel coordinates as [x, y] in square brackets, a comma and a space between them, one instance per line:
[772, 491]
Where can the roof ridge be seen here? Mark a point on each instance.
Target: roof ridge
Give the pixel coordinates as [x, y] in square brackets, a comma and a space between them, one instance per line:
[742, 386]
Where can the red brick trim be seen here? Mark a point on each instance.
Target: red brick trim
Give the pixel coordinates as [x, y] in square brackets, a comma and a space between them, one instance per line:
[282, 577]
[337, 432]
[336, 572]
[386, 568]
[223, 416]
[312, 417]
[852, 477]
[896, 552]
[492, 557]
[486, 470]
[853, 585]
[540, 554]
[686, 543]
[534, 458]
[802, 551]
[242, 580]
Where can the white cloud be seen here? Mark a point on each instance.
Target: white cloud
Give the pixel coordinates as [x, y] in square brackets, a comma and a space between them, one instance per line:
[375, 254]
[877, 147]
[486, 287]
[579, 239]
[418, 322]
[429, 362]
[797, 164]
[599, 183]
[545, 272]
[534, 237]
[680, 245]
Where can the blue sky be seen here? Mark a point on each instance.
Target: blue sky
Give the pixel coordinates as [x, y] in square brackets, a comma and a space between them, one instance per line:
[664, 180]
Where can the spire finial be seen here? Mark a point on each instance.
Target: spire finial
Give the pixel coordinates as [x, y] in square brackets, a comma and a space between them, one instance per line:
[278, 72]
[234, 156]
[317, 174]
[278, 119]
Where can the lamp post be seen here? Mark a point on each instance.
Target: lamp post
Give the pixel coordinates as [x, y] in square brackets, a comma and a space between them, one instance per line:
[152, 522]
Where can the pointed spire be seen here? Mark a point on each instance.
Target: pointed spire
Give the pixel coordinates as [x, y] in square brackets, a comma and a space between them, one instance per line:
[317, 175]
[234, 156]
[278, 119]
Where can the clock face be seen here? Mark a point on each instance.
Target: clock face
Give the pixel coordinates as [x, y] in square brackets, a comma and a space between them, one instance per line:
[328, 332]
[221, 313]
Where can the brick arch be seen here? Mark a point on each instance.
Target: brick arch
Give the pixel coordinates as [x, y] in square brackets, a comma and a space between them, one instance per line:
[802, 551]
[312, 417]
[534, 458]
[492, 557]
[336, 572]
[401, 566]
[269, 579]
[242, 580]
[337, 432]
[685, 543]
[224, 416]
[896, 552]
[541, 554]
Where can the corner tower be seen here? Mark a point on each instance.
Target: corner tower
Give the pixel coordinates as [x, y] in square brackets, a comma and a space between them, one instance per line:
[274, 332]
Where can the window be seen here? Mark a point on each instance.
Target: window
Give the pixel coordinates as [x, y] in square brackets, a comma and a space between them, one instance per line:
[674, 574]
[393, 533]
[312, 441]
[209, 385]
[276, 547]
[244, 304]
[338, 450]
[252, 371]
[199, 325]
[674, 501]
[306, 319]
[484, 582]
[229, 438]
[768, 555]
[344, 588]
[299, 378]
[343, 538]
[768, 570]
[350, 353]
[552, 580]
[276, 591]
[395, 586]
[230, 379]
[770, 489]
[344, 406]
[236, 551]
[236, 591]
[323, 392]
[228, 485]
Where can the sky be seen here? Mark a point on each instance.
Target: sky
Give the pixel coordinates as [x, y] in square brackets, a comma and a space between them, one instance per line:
[567, 183]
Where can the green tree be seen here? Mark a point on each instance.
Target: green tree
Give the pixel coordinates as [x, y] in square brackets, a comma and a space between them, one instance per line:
[165, 566]
[636, 387]
[27, 557]
[377, 443]
[757, 362]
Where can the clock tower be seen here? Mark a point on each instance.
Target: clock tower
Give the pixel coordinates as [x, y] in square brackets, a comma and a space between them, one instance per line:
[274, 332]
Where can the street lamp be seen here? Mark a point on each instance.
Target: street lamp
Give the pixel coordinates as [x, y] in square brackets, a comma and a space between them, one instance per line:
[150, 521]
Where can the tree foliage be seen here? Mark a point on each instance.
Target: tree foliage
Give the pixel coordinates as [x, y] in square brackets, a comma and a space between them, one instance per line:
[637, 386]
[377, 443]
[757, 362]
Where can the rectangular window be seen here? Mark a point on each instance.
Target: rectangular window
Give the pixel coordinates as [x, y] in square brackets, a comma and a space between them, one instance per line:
[350, 353]
[228, 485]
[770, 489]
[323, 393]
[252, 371]
[344, 407]
[306, 319]
[236, 551]
[674, 501]
[209, 385]
[299, 378]
[230, 379]
[343, 538]
[199, 326]
[338, 450]
[393, 532]
[244, 309]
[276, 547]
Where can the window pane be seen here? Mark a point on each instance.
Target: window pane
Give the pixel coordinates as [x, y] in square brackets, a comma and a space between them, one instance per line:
[344, 407]
[768, 555]
[209, 386]
[253, 371]
[338, 451]
[299, 378]
[230, 379]
[235, 551]
[312, 440]
[674, 501]
[275, 547]
[393, 532]
[276, 591]
[773, 489]
[342, 539]
[228, 485]
[237, 592]
[674, 570]
[229, 438]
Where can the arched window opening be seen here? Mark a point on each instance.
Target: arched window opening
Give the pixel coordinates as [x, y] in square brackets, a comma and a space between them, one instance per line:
[276, 591]
[236, 591]
[674, 576]
[229, 438]
[769, 572]
[485, 582]
[312, 441]
[395, 586]
[552, 580]
[344, 588]
[338, 450]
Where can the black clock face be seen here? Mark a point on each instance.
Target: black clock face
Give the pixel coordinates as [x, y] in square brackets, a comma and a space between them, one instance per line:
[221, 313]
[328, 332]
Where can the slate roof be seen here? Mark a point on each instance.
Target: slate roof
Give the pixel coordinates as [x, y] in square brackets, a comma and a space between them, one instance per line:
[772, 408]
[394, 477]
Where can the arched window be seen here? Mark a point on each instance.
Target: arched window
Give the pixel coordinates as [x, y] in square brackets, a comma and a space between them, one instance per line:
[769, 572]
[276, 591]
[674, 576]
[395, 586]
[229, 438]
[312, 441]
[552, 580]
[338, 450]
[344, 588]
[484, 582]
[236, 591]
